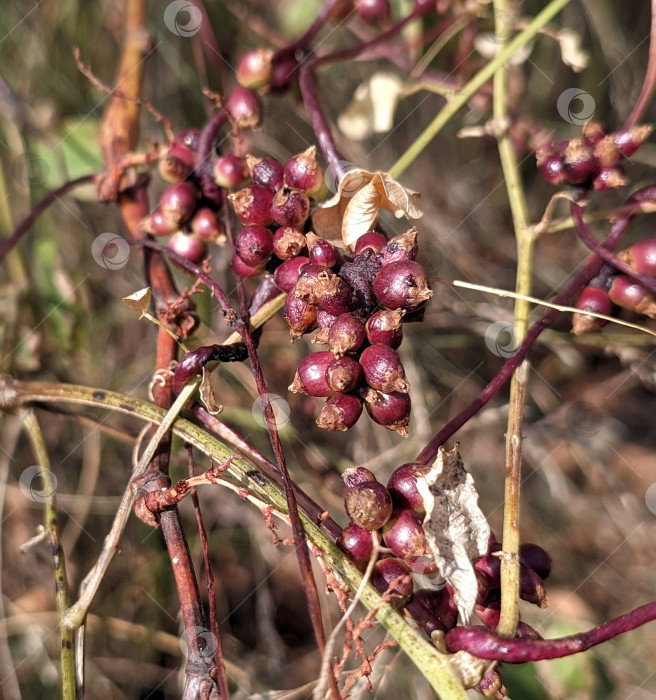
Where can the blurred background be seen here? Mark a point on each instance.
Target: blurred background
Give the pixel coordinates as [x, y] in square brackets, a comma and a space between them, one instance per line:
[589, 480]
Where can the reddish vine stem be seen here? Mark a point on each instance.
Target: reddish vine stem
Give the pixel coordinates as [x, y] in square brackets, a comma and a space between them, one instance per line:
[606, 255]
[487, 645]
[649, 82]
[209, 582]
[589, 270]
[38, 209]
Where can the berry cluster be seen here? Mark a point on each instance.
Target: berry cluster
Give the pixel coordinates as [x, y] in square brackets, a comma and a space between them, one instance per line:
[397, 512]
[611, 289]
[593, 161]
[359, 302]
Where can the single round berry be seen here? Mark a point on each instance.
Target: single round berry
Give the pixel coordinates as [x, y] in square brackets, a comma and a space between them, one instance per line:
[578, 162]
[290, 207]
[433, 609]
[368, 504]
[372, 239]
[176, 163]
[178, 202]
[336, 298]
[628, 141]
[300, 316]
[532, 556]
[188, 246]
[608, 179]
[552, 170]
[252, 205]
[340, 412]
[321, 251]
[595, 300]
[357, 475]
[489, 566]
[393, 576]
[288, 242]
[158, 225]
[356, 542]
[402, 285]
[641, 256]
[404, 535]
[230, 171]
[385, 327]
[344, 374]
[254, 245]
[284, 73]
[347, 334]
[315, 281]
[531, 587]
[266, 172]
[245, 108]
[310, 375]
[403, 247]
[304, 172]
[373, 11]
[254, 68]
[286, 275]
[239, 267]
[383, 369]
[402, 486]
[630, 295]
[392, 411]
[206, 226]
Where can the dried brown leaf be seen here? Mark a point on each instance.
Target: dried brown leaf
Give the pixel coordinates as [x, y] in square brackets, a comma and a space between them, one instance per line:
[139, 301]
[455, 527]
[207, 393]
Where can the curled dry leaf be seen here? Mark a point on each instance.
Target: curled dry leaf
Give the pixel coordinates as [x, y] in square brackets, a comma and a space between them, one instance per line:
[570, 48]
[353, 210]
[455, 527]
[139, 301]
[207, 393]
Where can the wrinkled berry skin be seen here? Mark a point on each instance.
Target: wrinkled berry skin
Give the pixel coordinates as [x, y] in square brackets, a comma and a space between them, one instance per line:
[385, 572]
[301, 317]
[252, 205]
[368, 504]
[254, 245]
[344, 374]
[383, 369]
[340, 412]
[266, 172]
[392, 411]
[290, 207]
[385, 327]
[288, 242]
[357, 475]
[402, 285]
[347, 334]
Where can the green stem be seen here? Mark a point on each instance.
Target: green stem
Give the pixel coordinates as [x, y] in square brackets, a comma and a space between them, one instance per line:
[510, 571]
[51, 525]
[434, 665]
[460, 99]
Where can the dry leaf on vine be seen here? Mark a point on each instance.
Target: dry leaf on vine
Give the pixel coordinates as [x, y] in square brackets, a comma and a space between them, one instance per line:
[455, 527]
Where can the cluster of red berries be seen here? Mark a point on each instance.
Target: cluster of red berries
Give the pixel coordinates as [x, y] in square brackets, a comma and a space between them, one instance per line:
[593, 161]
[611, 289]
[397, 512]
[359, 301]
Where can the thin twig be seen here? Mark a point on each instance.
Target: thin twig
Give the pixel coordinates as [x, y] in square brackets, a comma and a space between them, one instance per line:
[649, 82]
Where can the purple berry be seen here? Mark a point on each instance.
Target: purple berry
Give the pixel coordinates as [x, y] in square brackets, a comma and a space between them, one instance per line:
[532, 556]
[357, 475]
[158, 225]
[230, 171]
[321, 251]
[628, 141]
[372, 239]
[385, 327]
[641, 256]
[578, 162]
[630, 295]
[266, 172]
[391, 575]
[347, 334]
[206, 226]
[178, 202]
[240, 268]
[288, 242]
[344, 374]
[176, 163]
[301, 317]
[402, 486]
[383, 369]
[402, 285]
[254, 68]
[356, 542]
[373, 11]
[595, 300]
[403, 247]
[392, 411]
[290, 207]
[303, 172]
[310, 376]
[252, 205]
[404, 535]
[286, 275]
[254, 245]
[188, 138]
[368, 504]
[188, 246]
[340, 412]
[245, 108]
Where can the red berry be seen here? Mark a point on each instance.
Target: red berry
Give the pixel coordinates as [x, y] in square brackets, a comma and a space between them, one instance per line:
[373, 11]
[392, 575]
[489, 566]
[356, 542]
[230, 171]
[286, 275]
[434, 609]
[254, 68]
[595, 300]
[552, 170]
[176, 163]
[368, 504]
[336, 298]
[357, 475]
[340, 412]
[207, 227]
[608, 179]
[606, 153]
[383, 369]
[372, 239]
[266, 172]
[245, 108]
[403, 247]
[304, 172]
[385, 327]
[402, 285]
[188, 246]
[404, 535]
[321, 252]
[301, 317]
[284, 73]
[290, 207]
[314, 282]
[392, 411]
[630, 295]
[310, 376]
[178, 202]
[641, 256]
[344, 374]
[254, 245]
[578, 162]
[240, 268]
[592, 133]
[188, 138]
[628, 141]
[158, 225]
[252, 205]
[402, 486]
[288, 242]
[346, 335]
[531, 587]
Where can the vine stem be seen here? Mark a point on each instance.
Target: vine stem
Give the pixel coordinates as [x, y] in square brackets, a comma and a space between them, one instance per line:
[649, 82]
[434, 665]
[51, 527]
[524, 239]
[455, 103]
